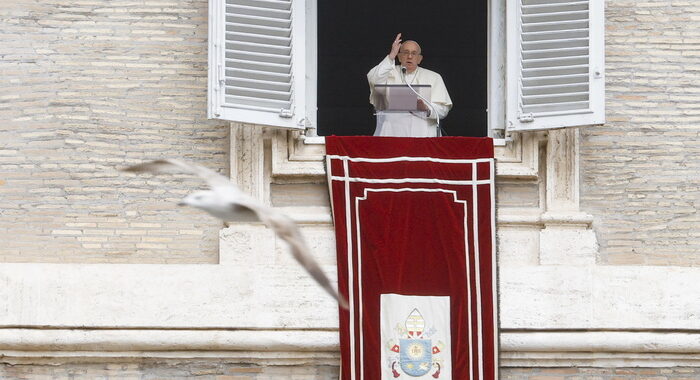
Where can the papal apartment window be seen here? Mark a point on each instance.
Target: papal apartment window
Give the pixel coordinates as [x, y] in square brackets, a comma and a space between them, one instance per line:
[355, 35]
[303, 63]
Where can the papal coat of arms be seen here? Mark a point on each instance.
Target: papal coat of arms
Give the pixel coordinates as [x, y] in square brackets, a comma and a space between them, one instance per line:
[413, 352]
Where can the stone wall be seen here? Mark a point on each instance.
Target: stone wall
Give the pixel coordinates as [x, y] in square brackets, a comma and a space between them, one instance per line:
[678, 373]
[166, 369]
[225, 370]
[640, 172]
[88, 87]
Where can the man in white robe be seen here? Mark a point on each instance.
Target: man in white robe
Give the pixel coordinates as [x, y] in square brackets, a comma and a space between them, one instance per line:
[423, 124]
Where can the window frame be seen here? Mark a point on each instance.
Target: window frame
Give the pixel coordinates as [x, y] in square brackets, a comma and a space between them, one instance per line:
[496, 74]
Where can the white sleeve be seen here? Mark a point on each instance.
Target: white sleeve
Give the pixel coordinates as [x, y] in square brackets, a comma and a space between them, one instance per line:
[441, 99]
[441, 109]
[380, 73]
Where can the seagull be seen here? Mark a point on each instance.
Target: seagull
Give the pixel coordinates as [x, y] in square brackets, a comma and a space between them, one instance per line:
[227, 202]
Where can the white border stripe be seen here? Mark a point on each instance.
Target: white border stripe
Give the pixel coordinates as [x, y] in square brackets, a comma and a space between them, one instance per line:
[350, 271]
[415, 189]
[477, 280]
[412, 180]
[466, 253]
[329, 175]
[359, 286]
[412, 159]
[469, 294]
[494, 268]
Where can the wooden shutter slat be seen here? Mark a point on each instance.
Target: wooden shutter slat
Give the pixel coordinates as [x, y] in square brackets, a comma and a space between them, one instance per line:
[260, 84]
[556, 109]
[260, 75]
[555, 25]
[255, 103]
[555, 16]
[555, 98]
[263, 3]
[259, 66]
[555, 44]
[236, 46]
[555, 8]
[556, 89]
[555, 71]
[259, 21]
[260, 12]
[555, 80]
[257, 92]
[555, 62]
[239, 27]
[554, 53]
[260, 57]
[259, 39]
[554, 35]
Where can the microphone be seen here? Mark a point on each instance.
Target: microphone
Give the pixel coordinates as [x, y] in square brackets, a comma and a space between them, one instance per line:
[428, 103]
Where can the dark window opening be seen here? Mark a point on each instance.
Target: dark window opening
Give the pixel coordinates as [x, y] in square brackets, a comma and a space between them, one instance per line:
[353, 36]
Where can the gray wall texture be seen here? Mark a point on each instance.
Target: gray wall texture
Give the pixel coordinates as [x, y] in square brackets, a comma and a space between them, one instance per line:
[88, 87]
[641, 171]
[149, 369]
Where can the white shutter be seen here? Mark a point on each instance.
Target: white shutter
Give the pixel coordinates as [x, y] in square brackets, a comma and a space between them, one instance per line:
[257, 61]
[555, 59]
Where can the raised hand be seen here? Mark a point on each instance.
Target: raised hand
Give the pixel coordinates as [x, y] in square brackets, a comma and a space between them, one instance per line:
[395, 46]
[422, 106]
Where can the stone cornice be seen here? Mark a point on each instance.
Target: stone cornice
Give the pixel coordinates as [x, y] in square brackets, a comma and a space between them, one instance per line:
[518, 348]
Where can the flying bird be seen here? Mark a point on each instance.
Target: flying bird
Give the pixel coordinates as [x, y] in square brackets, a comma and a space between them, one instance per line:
[227, 202]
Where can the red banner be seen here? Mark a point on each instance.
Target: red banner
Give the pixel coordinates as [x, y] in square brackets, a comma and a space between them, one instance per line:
[415, 232]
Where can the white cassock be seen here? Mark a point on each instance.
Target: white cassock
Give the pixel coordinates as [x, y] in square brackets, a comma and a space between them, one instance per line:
[409, 124]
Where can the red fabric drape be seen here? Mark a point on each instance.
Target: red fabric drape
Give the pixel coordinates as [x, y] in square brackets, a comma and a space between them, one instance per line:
[415, 217]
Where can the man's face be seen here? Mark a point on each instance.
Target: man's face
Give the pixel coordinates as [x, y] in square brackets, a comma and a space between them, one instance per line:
[409, 55]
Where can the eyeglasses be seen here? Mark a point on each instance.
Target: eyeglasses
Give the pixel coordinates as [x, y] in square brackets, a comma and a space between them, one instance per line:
[409, 53]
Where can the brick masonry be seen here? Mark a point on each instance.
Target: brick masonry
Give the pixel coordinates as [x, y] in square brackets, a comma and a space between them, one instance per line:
[679, 373]
[90, 86]
[222, 370]
[640, 174]
[167, 370]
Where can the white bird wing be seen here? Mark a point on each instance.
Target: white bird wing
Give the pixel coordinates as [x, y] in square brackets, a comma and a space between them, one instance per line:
[288, 231]
[212, 178]
[284, 227]
[217, 182]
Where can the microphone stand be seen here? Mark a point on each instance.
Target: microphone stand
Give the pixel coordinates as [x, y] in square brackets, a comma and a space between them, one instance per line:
[427, 102]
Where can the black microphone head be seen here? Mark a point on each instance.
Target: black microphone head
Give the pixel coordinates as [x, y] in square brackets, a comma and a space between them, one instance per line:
[403, 69]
